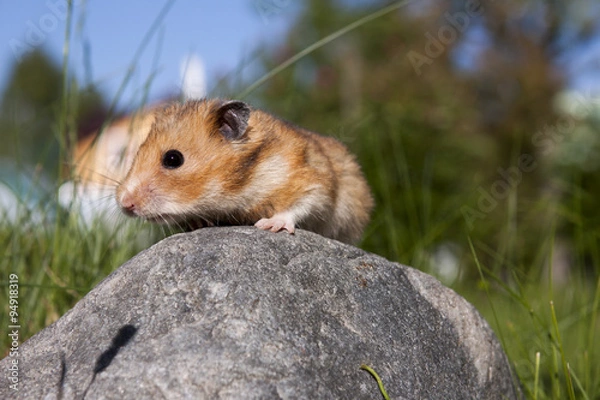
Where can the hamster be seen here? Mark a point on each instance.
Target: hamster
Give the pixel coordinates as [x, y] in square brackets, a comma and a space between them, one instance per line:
[216, 162]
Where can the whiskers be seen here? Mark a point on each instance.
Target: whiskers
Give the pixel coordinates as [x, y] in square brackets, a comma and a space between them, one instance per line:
[87, 174]
[96, 206]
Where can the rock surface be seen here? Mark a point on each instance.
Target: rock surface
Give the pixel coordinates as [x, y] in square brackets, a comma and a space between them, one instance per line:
[238, 313]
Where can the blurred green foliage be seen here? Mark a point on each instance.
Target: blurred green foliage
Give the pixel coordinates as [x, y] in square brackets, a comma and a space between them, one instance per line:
[443, 145]
[30, 108]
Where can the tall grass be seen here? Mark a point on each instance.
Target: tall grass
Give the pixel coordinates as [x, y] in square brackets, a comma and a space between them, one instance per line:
[57, 254]
[57, 261]
[548, 327]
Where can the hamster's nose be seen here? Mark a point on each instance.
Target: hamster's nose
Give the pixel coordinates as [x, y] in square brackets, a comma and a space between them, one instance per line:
[127, 205]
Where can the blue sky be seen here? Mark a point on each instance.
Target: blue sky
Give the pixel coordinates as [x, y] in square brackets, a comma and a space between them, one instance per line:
[222, 33]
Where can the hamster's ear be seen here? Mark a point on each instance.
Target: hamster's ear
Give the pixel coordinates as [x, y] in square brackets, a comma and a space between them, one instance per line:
[232, 119]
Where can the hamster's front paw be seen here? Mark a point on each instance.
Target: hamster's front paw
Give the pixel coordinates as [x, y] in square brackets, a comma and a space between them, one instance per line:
[276, 223]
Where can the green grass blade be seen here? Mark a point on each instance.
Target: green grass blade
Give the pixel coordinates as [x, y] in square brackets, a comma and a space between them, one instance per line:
[570, 389]
[577, 382]
[378, 379]
[320, 43]
[536, 380]
[487, 291]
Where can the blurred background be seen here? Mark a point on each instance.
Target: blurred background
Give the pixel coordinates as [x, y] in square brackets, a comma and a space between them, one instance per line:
[476, 123]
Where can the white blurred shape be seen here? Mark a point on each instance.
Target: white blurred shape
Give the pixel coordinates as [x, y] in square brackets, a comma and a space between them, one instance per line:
[445, 263]
[93, 202]
[9, 203]
[577, 104]
[193, 78]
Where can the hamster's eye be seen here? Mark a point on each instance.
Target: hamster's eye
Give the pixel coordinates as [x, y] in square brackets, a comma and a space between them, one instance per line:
[172, 159]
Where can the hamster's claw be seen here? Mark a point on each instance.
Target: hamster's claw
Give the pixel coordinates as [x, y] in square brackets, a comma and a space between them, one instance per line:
[276, 223]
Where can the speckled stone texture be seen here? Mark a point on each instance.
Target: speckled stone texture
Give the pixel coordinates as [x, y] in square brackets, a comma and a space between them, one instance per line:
[239, 313]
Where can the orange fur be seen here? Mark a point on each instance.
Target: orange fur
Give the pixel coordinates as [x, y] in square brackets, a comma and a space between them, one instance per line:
[274, 175]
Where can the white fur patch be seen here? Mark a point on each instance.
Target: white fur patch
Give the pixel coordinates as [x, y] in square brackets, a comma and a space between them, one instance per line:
[271, 173]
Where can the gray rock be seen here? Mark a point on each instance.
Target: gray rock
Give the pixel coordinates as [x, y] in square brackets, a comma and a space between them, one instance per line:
[238, 313]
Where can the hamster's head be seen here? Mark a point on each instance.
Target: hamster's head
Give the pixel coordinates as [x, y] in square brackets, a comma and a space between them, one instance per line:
[178, 172]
